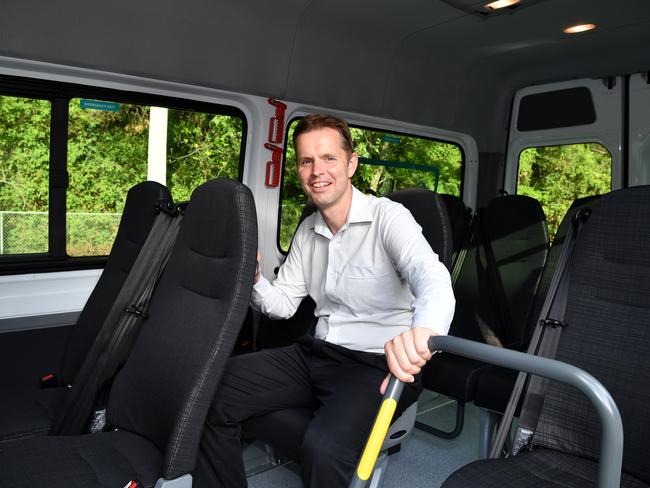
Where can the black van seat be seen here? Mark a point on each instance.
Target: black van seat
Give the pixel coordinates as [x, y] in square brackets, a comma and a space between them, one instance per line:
[608, 336]
[285, 429]
[514, 229]
[459, 219]
[25, 411]
[495, 384]
[160, 397]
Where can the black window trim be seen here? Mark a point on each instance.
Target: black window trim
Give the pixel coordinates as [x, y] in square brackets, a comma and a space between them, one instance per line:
[59, 94]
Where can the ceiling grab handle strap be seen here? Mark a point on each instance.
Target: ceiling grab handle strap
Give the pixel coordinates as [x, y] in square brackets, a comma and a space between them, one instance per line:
[366, 464]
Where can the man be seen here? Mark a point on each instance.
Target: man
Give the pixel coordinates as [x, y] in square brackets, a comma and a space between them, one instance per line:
[378, 288]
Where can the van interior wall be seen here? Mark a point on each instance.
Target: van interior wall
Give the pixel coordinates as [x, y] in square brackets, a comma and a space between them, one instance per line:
[430, 62]
[490, 174]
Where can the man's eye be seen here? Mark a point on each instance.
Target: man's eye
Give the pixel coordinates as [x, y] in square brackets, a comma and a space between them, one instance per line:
[305, 162]
[331, 158]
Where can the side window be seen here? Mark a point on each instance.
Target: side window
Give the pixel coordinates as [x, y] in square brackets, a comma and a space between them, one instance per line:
[112, 146]
[70, 153]
[557, 175]
[387, 162]
[24, 173]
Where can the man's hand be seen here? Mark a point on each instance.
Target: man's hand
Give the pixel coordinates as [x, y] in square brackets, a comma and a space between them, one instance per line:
[258, 270]
[406, 354]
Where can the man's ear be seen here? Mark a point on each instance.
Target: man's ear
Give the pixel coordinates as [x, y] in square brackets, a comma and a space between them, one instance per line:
[353, 162]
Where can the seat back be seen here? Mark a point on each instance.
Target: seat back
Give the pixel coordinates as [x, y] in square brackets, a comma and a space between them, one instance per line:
[459, 219]
[551, 263]
[429, 210]
[515, 228]
[282, 332]
[608, 332]
[165, 388]
[137, 218]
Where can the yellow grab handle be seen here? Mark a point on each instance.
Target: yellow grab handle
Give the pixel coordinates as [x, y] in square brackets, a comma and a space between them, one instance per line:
[376, 439]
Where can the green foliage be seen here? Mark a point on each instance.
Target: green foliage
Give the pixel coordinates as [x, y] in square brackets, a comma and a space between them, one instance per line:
[557, 175]
[24, 154]
[201, 147]
[378, 180]
[107, 154]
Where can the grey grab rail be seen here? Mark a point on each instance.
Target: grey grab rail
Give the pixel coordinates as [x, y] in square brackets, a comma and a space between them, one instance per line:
[611, 442]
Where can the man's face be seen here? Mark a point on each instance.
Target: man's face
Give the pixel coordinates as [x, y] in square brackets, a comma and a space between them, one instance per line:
[324, 168]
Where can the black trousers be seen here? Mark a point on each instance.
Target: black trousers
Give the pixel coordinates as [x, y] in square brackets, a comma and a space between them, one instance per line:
[341, 385]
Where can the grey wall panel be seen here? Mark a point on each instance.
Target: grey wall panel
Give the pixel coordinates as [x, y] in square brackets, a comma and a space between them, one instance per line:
[345, 60]
[243, 45]
[420, 61]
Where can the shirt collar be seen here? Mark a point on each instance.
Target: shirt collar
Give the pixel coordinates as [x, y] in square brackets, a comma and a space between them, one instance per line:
[359, 212]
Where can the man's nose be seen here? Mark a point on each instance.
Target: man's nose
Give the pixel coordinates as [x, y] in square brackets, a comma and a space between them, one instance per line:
[318, 167]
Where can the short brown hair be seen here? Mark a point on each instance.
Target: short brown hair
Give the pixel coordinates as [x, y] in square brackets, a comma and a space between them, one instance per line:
[322, 121]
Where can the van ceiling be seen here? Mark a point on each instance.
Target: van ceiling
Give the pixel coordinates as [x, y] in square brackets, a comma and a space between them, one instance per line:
[433, 62]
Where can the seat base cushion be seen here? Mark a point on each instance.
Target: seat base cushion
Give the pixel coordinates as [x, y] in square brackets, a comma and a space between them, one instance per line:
[105, 460]
[541, 468]
[28, 412]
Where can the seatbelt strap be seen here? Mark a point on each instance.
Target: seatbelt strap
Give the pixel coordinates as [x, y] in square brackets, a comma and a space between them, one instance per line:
[495, 284]
[462, 252]
[544, 342]
[121, 326]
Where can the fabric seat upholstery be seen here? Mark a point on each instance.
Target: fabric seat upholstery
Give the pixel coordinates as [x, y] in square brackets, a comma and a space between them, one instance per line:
[542, 469]
[516, 227]
[32, 411]
[608, 335]
[160, 397]
[495, 384]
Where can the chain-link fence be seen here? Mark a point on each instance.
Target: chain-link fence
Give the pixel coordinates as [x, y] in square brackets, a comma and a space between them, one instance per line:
[88, 234]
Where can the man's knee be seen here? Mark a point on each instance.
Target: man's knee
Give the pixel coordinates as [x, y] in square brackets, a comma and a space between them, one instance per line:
[326, 457]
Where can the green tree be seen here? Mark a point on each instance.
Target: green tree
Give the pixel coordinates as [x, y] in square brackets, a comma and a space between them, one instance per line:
[557, 175]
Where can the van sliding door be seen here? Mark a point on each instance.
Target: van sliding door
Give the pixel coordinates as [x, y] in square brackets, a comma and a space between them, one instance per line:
[565, 143]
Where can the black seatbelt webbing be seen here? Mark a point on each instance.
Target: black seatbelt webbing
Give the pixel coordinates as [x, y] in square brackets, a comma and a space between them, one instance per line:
[496, 285]
[544, 342]
[120, 329]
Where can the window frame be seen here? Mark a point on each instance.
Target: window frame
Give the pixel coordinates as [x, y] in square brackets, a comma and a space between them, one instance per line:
[59, 94]
[573, 143]
[291, 121]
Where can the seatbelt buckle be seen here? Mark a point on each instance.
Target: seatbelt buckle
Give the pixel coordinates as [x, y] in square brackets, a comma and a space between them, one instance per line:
[133, 484]
[50, 380]
[554, 324]
[137, 311]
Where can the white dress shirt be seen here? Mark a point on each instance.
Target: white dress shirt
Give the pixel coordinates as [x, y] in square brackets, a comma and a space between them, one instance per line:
[371, 281]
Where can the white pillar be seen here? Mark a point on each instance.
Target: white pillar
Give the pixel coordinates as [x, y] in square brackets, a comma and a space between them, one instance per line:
[157, 153]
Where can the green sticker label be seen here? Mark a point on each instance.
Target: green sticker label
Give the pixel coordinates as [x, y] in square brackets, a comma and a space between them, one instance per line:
[391, 139]
[99, 105]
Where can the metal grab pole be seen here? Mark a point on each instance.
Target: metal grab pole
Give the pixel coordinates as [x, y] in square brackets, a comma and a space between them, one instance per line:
[382, 422]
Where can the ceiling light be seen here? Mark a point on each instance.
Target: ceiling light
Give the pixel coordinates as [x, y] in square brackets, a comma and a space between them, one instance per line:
[575, 29]
[500, 4]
